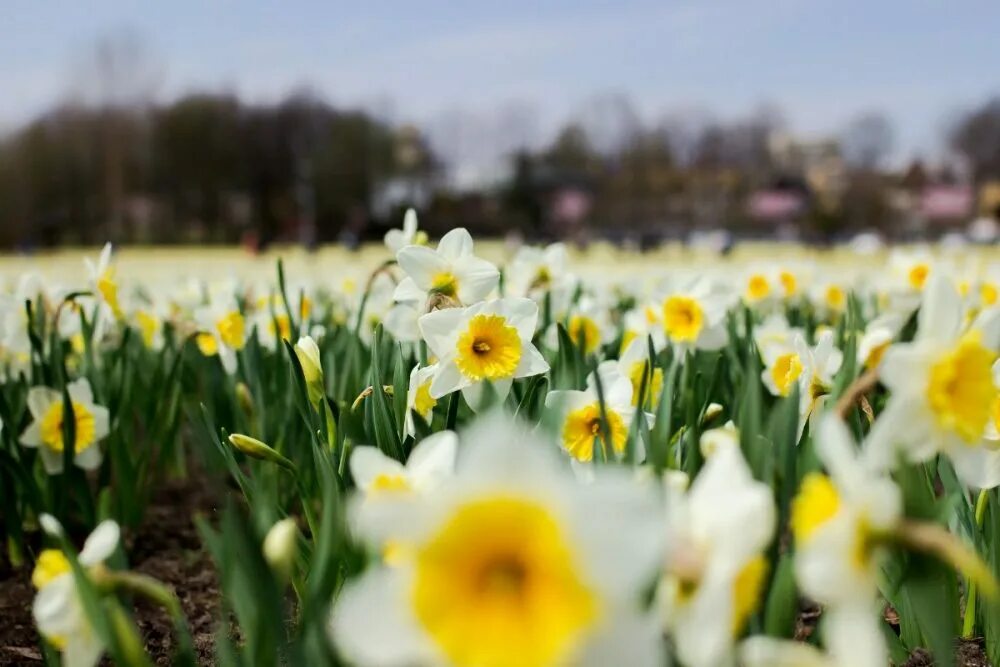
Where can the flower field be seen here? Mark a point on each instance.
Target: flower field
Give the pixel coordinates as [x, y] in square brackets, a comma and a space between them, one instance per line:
[463, 453]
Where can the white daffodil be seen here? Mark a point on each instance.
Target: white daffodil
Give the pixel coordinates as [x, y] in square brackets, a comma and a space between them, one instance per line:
[536, 271]
[715, 569]
[761, 651]
[909, 272]
[838, 523]
[46, 429]
[222, 330]
[941, 387]
[397, 239]
[579, 415]
[487, 342]
[829, 297]
[633, 364]
[149, 323]
[58, 610]
[418, 397]
[377, 307]
[760, 286]
[811, 369]
[774, 336]
[451, 271]
[271, 322]
[430, 463]
[695, 316]
[102, 278]
[511, 562]
[715, 439]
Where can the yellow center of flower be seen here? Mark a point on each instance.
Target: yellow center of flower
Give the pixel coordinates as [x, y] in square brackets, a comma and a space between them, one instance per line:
[148, 324]
[109, 290]
[489, 349]
[207, 344]
[747, 587]
[583, 425]
[386, 483]
[786, 370]
[51, 563]
[445, 283]
[281, 326]
[423, 403]
[231, 328]
[683, 318]
[875, 355]
[584, 333]
[816, 503]
[835, 297]
[789, 283]
[917, 275]
[758, 287]
[498, 585]
[960, 391]
[654, 383]
[305, 307]
[51, 427]
[988, 293]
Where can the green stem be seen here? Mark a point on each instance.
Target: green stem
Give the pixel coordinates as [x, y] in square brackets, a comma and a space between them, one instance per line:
[969, 622]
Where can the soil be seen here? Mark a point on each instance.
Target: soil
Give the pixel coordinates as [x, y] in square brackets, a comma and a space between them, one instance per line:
[166, 547]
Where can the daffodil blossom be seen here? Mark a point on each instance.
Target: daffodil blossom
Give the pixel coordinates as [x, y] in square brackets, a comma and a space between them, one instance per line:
[838, 522]
[942, 396]
[877, 337]
[634, 363]
[810, 369]
[102, 277]
[451, 270]
[57, 609]
[716, 569]
[487, 342]
[46, 429]
[222, 331]
[536, 271]
[579, 420]
[397, 239]
[510, 562]
[695, 316]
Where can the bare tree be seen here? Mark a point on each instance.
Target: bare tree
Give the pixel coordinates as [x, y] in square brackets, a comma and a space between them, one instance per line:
[977, 138]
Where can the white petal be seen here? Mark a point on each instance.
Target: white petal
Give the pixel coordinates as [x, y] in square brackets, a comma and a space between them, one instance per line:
[978, 467]
[370, 624]
[522, 314]
[421, 264]
[88, 458]
[55, 608]
[532, 362]
[101, 419]
[39, 400]
[407, 290]
[79, 391]
[853, 637]
[440, 329]
[626, 638]
[32, 436]
[447, 380]
[476, 279]
[770, 652]
[83, 648]
[101, 543]
[456, 243]
[367, 463]
[940, 313]
[433, 459]
[52, 461]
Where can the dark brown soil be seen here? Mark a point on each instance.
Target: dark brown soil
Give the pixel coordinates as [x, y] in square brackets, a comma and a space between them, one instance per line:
[168, 548]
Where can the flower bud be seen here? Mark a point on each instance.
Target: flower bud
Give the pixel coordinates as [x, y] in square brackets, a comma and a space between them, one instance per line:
[254, 448]
[244, 398]
[308, 353]
[281, 546]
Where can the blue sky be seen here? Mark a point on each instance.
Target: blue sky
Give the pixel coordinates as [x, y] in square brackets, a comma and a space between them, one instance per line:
[820, 61]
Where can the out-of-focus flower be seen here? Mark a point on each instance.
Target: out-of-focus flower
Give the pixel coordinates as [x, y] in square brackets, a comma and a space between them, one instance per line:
[634, 364]
[511, 562]
[694, 316]
[397, 239]
[222, 331]
[46, 429]
[418, 397]
[450, 271]
[57, 609]
[312, 369]
[716, 569]
[102, 277]
[942, 394]
[487, 342]
[281, 546]
[810, 369]
[877, 337]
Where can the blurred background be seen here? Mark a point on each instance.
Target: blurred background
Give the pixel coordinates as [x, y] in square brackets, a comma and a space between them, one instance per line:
[633, 122]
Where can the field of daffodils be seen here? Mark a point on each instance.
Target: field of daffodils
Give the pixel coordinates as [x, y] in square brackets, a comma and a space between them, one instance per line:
[458, 454]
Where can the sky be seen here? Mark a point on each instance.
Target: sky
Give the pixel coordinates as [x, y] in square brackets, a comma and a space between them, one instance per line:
[478, 73]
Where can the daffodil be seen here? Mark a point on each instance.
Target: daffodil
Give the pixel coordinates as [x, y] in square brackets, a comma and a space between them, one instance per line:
[418, 397]
[397, 239]
[635, 363]
[878, 335]
[587, 325]
[102, 277]
[46, 429]
[451, 272]
[487, 342]
[535, 272]
[643, 322]
[716, 569]
[839, 522]
[695, 316]
[511, 562]
[582, 424]
[942, 394]
[222, 330]
[811, 369]
[57, 610]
